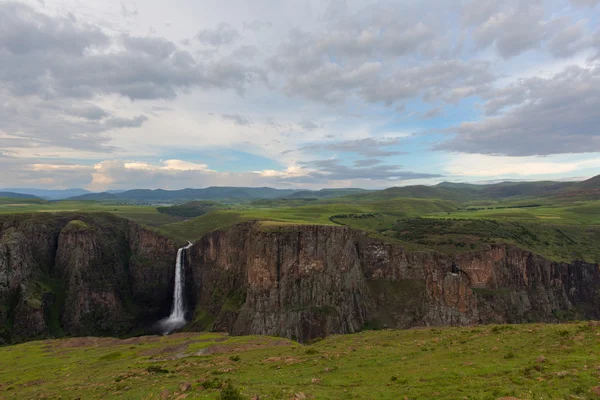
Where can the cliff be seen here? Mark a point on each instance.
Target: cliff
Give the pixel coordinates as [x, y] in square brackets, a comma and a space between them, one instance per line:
[304, 282]
[97, 274]
[88, 274]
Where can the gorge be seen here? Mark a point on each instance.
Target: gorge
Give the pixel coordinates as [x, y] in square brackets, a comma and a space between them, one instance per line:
[98, 274]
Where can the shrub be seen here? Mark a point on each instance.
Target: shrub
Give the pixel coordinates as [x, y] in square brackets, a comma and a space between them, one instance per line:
[214, 383]
[230, 392]
[157, 369]
[235, 358]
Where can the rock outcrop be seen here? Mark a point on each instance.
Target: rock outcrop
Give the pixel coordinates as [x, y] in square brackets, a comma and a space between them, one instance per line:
[88, 274]
[97, 274]
[304, 282]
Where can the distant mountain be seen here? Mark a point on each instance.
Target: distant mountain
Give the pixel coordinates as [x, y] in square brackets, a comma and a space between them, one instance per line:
[210, 193]
[323, 193]
[496, 191]
[49, 194]
[13, 195]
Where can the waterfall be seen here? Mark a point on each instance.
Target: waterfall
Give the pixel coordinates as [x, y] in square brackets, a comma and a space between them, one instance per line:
[177, 317]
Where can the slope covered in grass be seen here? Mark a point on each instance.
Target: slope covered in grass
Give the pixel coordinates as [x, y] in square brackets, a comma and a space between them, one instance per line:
[318, 213]
[488, 362]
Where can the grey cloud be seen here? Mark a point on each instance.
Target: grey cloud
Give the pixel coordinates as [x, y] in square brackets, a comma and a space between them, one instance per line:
[128, 12]
[224, 34]
[86, 111]
[237, 119]
[245, 52]
[51, 66]
[120, 122]
[433, 113]
[367, 162]
[513, 31]
[369, 147]
[152, 46]
[332, 170]
[438, 81]
[514, 27]
[52, 57]
[23, 31]
[19, 172]
[38, 123]
[586, 3]
[569, 39]
[308, 125]
[546, 116]
[257, 25]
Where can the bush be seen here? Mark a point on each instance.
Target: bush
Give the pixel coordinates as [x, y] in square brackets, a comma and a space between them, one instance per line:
[214, 383]
[230, 392]
[157, 369]
[235, 358]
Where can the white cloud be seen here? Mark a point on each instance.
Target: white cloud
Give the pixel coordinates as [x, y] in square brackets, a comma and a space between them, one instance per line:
[480, 165]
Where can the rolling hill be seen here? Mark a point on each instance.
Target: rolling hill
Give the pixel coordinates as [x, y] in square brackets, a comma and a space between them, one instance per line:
[13, 195]
[210, 193]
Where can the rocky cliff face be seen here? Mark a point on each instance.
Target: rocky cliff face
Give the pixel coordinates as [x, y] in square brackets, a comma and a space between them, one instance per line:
[89, 274]
[305, 282]
[97, 274]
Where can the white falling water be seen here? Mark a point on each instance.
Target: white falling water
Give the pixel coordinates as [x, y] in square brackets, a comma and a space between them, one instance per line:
[177, 318]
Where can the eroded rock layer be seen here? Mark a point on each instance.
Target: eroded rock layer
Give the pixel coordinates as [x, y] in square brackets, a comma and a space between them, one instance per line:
[305, 282]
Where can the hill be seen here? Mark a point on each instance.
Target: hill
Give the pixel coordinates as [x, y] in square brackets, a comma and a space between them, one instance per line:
[190, 209]
[49, 194]
[470, 192]
[210, 193]
[323, 193]
[536, 361]
[13, 195]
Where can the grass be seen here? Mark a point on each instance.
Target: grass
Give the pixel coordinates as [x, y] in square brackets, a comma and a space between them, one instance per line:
[147, 215]
[486, 362]
[320, 213]
[458, 235]
[572, 213]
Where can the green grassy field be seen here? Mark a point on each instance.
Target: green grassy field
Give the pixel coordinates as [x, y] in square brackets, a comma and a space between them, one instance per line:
[558, 229]
[487, 362]
[320, 213]
[147, 215]
[578, 212]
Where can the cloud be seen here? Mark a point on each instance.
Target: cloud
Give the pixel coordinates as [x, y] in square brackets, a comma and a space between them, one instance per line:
[545, 116]
[367, 162]
[308, 125]
[369, 147]
[433, 113]
[54, 68]
[481, 165]
[223, 35]
[586, 3]
[512, 31]
[237, 119]
[331, 170]
[570, 39]
[120, 122]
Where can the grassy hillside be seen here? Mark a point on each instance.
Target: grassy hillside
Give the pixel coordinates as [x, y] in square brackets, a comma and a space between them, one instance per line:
[450, 236]
[142, 214]
[521, 361]
[318, 213]
[18, 201]
[190, 209]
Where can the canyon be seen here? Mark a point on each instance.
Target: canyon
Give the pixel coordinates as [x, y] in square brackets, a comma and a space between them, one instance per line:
[98, 274]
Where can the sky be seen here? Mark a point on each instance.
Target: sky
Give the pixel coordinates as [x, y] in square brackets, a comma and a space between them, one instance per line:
[121, 94]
